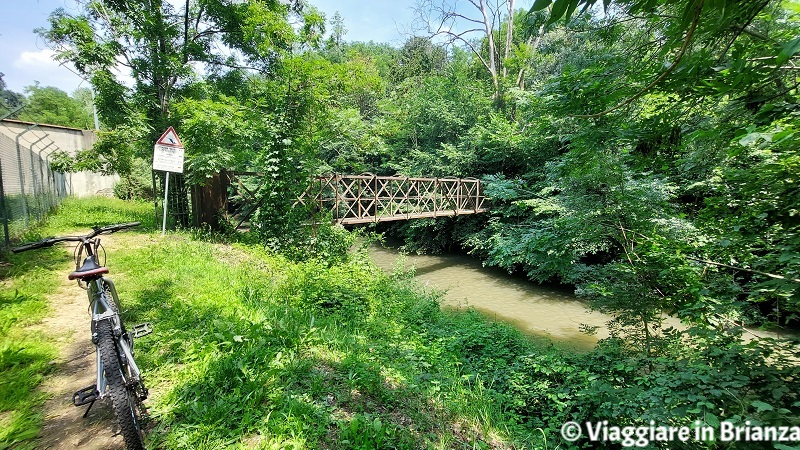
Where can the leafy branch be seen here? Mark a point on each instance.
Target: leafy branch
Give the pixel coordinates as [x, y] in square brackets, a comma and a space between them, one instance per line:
[686, 41]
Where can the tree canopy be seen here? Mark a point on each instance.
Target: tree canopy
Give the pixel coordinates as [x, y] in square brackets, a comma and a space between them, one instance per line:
[49, 105]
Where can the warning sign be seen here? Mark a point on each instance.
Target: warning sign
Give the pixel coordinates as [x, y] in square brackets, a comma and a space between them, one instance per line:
[168, 152]
[169, 138]
[168, 159]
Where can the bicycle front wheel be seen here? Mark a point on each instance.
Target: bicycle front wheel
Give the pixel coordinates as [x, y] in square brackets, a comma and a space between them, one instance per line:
[124, 398]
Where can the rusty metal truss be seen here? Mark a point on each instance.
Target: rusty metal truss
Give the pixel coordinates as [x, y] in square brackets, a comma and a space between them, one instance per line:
[365, 198]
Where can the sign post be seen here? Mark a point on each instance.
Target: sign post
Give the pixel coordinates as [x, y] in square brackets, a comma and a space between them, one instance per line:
[168, 157]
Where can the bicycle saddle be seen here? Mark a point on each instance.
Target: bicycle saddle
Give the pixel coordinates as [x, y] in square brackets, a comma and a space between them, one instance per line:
[88, 269]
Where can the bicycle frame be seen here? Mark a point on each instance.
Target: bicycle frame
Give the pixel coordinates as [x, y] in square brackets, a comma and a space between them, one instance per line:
[101, 310]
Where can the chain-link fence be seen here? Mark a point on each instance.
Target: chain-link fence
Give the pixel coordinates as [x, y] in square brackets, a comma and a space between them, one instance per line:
[29, 189]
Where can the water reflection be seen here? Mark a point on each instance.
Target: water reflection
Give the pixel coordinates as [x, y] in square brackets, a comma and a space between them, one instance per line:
[548, 311]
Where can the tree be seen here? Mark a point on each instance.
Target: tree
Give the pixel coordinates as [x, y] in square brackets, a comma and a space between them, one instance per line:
[8, 99]
[160, 46]
[85, 97]
[419, 56]
[334, 45]
[697, 36]
[50, 105]
[445, 18]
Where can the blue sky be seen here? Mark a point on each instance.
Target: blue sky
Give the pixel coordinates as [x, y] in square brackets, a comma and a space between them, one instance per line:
[24, 58]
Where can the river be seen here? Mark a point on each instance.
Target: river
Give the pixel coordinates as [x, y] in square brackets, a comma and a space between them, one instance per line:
[546, 311]
[537, 310]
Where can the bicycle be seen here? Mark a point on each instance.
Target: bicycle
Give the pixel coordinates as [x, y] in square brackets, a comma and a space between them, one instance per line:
[118, 376]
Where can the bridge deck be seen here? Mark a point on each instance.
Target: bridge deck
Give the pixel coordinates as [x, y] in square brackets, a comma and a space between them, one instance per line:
[423, 215]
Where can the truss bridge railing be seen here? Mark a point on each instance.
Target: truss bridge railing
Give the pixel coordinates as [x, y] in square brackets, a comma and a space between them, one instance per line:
[353, 199]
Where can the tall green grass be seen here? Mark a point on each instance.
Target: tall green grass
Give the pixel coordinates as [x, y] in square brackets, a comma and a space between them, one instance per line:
[254, 351]
[79, 215]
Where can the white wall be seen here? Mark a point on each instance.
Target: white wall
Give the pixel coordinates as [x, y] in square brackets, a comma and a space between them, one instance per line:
[43, 140]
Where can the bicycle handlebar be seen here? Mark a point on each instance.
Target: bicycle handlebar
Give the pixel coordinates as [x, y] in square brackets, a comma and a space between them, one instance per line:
[34, 245]
[49, 242]
[112, 228]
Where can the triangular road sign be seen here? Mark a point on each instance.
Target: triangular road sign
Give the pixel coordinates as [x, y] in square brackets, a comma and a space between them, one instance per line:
[170, 138]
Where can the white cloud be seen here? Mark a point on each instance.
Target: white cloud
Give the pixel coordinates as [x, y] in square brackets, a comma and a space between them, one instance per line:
[42, 66]
[30, 66]
[43, 59]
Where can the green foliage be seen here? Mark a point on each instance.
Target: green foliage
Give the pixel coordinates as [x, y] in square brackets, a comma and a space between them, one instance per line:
[252, 349]
[715, 377]
[61, 161]
[339, 352]
[138, 184]
[221, 134]
[349, 144]
[419, 57]
[24, 362]
[362, 432]
[116, 149]
[751, 212]
[686, 152]
[422, 119]
[9, 99]
[53, 106]
[322, 241]
[160, 45]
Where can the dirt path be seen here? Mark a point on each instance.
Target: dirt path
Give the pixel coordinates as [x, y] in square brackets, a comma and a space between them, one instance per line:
[69, 323]
[64, 425]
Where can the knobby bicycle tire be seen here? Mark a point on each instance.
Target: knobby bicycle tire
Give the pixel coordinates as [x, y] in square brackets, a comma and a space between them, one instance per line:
[124, 399]
[111, 299]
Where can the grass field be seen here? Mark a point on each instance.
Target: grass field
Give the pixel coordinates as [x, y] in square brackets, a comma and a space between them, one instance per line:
[251, 350]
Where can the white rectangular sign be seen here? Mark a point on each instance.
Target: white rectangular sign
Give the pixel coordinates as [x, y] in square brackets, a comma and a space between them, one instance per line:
[168, 159]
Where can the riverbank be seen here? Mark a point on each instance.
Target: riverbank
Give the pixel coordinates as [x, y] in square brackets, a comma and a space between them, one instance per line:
[549, 312]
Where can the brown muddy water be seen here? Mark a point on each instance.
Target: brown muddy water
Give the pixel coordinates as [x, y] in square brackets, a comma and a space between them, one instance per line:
[538, 310]
[552, 312]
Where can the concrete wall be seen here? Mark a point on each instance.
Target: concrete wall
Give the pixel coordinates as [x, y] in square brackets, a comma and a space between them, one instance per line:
[40, 141]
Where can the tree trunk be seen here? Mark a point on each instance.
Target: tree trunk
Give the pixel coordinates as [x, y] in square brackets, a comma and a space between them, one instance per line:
[492, 48]
[509, 35]
[211, 201]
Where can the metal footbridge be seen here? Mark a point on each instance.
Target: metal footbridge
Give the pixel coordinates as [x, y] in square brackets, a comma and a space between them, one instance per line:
[354, 199]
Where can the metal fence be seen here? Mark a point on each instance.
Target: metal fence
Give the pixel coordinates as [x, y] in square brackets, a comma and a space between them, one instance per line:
[180, 201]
[29, 189]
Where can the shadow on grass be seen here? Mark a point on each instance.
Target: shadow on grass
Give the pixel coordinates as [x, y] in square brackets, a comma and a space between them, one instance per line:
[256, 393]
[319, 357]
[19, 264]
[273, 377]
